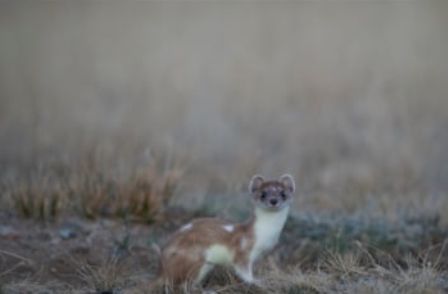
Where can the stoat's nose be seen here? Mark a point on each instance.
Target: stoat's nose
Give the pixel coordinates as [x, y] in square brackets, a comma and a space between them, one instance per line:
[273, 202]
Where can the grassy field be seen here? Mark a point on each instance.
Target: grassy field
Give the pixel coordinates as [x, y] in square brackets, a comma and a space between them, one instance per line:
[120, 121]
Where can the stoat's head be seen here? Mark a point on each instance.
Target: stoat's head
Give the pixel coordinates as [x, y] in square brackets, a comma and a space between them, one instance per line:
[274, 194]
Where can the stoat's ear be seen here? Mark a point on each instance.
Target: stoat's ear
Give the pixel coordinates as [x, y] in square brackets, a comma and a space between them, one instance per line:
[255, 183]
[288, 181]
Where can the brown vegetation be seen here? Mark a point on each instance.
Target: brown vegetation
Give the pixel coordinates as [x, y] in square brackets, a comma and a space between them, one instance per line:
[121, 121]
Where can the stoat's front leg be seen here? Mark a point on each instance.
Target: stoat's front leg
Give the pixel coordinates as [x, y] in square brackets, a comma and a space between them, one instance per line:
[244, 272]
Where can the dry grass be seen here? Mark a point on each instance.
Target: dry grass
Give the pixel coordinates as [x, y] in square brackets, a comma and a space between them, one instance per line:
[120, 121]
[143, 196]
[37, 197]
[116, 257]
[107, 277]
[92, 193]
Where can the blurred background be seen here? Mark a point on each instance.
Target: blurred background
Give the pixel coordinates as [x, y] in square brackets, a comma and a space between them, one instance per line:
[350, 97]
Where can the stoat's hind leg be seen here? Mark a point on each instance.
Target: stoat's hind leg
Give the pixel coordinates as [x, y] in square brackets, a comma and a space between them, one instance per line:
[204, 270]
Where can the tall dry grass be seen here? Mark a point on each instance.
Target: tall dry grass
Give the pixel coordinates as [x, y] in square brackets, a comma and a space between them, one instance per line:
[122, 109]
[350, 97]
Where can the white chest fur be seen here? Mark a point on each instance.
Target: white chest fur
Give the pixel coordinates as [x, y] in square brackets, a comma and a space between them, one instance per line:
[267, 228]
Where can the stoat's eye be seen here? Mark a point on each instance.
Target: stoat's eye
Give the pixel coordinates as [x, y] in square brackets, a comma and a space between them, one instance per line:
[263, 195]
[283, 195]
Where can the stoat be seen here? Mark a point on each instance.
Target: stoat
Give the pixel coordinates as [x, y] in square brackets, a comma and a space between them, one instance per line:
[197, 247]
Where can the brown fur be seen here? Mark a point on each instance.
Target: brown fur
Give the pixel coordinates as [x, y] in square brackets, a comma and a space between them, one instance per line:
[183, 257]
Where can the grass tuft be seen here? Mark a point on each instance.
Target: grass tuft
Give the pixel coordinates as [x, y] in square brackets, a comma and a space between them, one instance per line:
[141, 196]
[39, 198]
